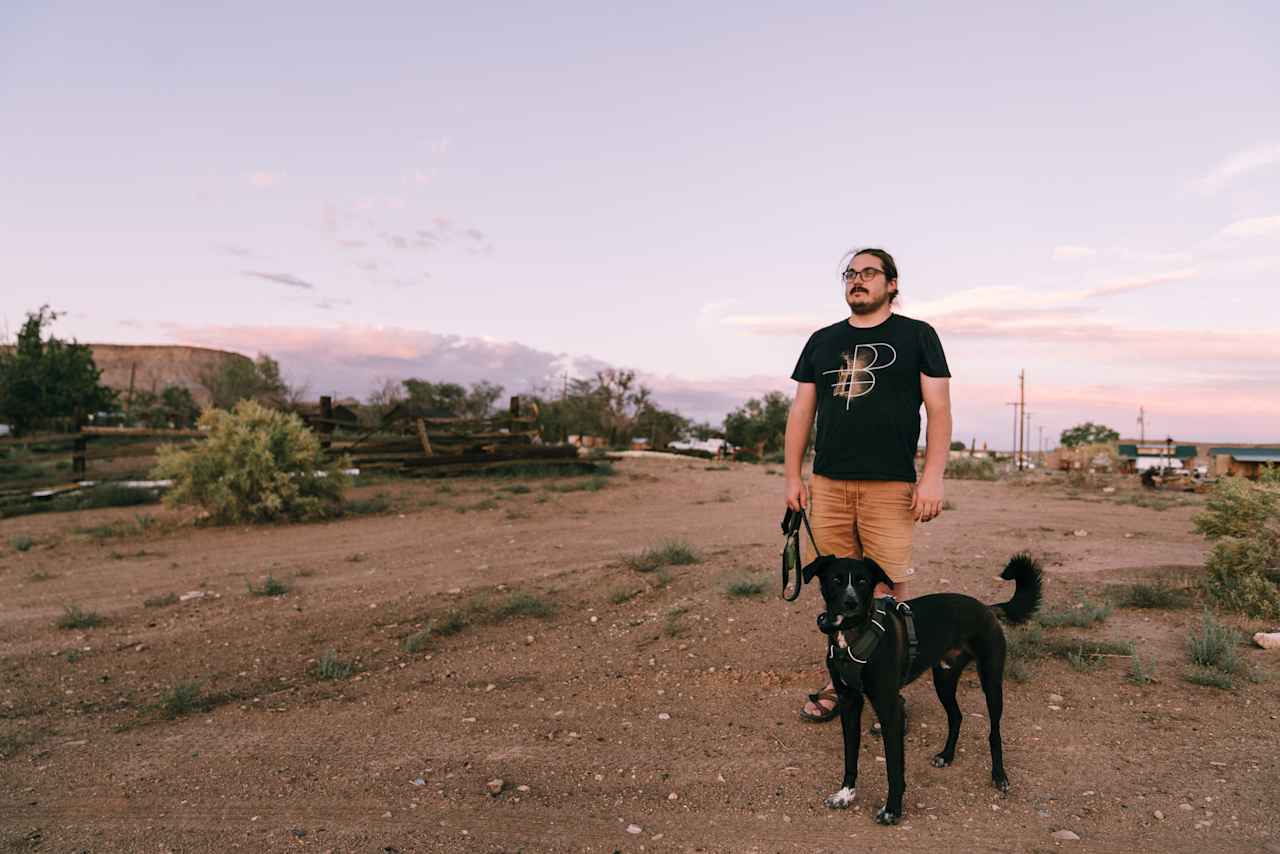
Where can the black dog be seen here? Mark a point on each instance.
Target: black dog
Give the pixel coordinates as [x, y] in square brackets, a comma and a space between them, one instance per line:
[875, 650]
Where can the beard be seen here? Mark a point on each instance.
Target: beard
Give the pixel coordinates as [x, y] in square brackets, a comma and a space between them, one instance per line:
[868, 306]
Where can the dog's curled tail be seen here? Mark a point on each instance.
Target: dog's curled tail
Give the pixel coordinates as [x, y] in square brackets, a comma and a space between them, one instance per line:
[1024, 571]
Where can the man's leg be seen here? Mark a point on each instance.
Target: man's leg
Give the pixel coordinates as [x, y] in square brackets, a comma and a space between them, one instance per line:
[885, 525]
[832, 513]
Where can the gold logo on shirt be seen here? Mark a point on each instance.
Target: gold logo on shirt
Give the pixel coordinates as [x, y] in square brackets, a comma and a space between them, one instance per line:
[857, 376]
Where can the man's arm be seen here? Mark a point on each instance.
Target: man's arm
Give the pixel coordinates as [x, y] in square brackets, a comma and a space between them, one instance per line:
[799, 421]
[926, 500]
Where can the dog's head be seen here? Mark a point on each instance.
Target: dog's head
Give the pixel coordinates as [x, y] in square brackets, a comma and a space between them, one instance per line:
[848, 586]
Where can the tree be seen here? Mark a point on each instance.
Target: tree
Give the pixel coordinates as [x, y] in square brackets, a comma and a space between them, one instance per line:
[44, 379]
[759, 424]
[451, 399]
[660, 426]
[259, 380]
[1088, 433]
[610, 404]
[957, 446]
[173, 407]
[386, 397]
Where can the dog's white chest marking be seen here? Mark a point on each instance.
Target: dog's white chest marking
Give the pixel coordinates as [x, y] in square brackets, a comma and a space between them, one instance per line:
[841, 799]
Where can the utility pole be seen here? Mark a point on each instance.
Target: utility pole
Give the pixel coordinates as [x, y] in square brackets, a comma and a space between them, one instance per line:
[1041, 429]
[1142, 425]
[1022, 403]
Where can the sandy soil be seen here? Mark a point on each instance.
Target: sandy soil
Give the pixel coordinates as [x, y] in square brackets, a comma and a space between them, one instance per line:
[652, 702]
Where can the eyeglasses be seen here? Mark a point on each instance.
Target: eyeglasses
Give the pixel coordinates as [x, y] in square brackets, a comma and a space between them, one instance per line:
[866, 274]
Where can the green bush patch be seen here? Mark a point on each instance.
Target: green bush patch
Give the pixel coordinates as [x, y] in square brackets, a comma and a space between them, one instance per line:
[1085, 613]
[74, 618]
[272, 586]
[329, 667]
[669, 553]
[21, 543]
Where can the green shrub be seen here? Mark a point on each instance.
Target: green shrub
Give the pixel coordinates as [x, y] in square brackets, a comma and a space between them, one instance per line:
[971, 468]
[330, 667]
[270, 587]
[1215, 646]
[182, 699]
[452, 623]
[1086, 613]
[21, 543]
[418, 641]
[1157, 595]
[1140, 672]
[74, 618]
[1243, 518]
[522, 605]
[1209, 677]
[622, 597]
[517, 488]
[746, 587]
[258, 465]
[669, 553]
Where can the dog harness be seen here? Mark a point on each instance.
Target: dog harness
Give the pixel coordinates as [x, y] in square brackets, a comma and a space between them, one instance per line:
[864, 645]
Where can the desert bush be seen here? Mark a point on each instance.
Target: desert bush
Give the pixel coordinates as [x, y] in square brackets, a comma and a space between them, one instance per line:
[1140, 672]
[330, 667]
[74, 618]
[743, 588]
[182, 699]
[522, 605]
[669, 553]
[258, 465]
[1215, 646]
[1243, 518]
[21, 542]
[271, 587]
[1159, 595]
[1086, 613]
[621, 597]
[971, 468]
[1209, 677]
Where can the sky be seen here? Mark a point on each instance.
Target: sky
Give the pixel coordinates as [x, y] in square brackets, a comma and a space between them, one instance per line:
[523, 192]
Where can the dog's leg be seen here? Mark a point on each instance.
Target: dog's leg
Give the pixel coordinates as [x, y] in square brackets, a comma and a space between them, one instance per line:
[944, 683]
[889, 707]
[851, 729]
[991, 673]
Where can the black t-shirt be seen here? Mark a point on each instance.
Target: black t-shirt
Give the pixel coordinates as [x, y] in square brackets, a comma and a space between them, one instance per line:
[869, 395]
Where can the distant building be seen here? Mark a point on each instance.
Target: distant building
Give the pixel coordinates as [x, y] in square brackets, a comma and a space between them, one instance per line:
[1242, 462]
[1155, 455]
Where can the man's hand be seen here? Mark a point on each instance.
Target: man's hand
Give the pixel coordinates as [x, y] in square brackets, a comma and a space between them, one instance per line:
[797, 498]
[926, 499]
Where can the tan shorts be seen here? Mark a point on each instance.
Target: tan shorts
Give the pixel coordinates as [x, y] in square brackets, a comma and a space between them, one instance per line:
[851, 518]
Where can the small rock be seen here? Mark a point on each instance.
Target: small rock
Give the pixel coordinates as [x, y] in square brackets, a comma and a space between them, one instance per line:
[1185, 807]
[1108, 489]
[1267, 640]
[595, 619]
[1056, 698]
[386, 815]
[522, 788]
[418, 781]
[1159, 815]
[673, 797]
[1081, 533]
[528, 639]
[663, 716]
[1128, 536]
[495, 786]
[634, 829]
[1065, 835]
[1055, 708]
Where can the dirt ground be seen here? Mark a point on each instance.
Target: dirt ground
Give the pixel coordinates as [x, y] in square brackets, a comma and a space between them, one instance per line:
[650, 711]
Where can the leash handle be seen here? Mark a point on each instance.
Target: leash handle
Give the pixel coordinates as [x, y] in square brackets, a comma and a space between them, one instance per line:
[791, 521]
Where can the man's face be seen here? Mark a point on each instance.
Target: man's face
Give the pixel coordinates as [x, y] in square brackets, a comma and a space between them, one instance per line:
[867, 297]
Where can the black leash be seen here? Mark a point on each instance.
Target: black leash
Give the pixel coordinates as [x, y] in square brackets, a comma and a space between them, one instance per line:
[791, 550]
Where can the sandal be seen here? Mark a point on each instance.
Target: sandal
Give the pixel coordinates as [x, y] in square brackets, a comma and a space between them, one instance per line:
[817, 698]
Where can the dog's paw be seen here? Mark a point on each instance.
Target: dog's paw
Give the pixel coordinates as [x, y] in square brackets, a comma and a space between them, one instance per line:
[886, 816]
[940, 761]
[1001, 783]
[841, 799]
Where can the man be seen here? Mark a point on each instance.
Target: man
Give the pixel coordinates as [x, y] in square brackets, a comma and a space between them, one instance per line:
[865, 378]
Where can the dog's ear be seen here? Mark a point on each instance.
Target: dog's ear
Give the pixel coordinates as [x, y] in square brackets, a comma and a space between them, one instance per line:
[878, 575]
[815, 567]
